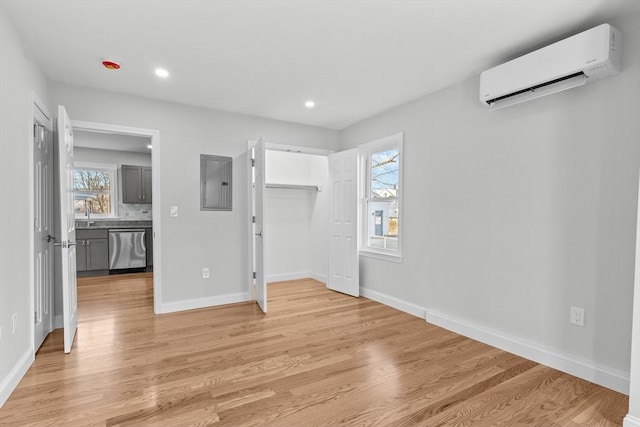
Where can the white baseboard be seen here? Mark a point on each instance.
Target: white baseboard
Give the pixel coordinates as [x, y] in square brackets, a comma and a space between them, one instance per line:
[15, 375]
[171, 307]
[631, 421]
[58, 321]
[297, 276]
[394, 302]
[288, 276]
[319, 277]
[603, 375]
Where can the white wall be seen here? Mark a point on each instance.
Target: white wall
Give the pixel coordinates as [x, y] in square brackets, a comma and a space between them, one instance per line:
[18, 77]
[94, 155]
[512, 216]
[195, 239]
[295, 220]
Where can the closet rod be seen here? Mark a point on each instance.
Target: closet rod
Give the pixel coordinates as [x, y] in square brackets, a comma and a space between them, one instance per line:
[294, 187]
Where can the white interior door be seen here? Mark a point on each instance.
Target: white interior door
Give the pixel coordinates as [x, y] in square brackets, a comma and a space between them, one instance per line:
[67, 228]
[343, 223]
[43, 227]
[259, 237]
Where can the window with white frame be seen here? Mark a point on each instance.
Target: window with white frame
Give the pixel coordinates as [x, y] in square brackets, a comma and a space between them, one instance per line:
[381, 192]
[95, 190]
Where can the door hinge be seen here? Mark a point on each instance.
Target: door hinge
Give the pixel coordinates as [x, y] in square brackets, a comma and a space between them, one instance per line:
[253, 162]
[253, 219]
[254, 274]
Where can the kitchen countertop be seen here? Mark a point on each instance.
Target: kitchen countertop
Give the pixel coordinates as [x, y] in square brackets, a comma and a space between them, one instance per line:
[107, 224]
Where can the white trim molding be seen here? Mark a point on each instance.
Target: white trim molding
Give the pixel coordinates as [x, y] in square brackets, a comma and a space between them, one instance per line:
[599, 374]
[397, 303]
[631, 421]
[15, 375]
[213, 301]
[297, 276]
[288, 276]
[319, 277]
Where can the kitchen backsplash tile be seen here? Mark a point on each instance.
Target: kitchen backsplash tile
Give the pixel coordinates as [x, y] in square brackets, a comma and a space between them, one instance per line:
[130, 211]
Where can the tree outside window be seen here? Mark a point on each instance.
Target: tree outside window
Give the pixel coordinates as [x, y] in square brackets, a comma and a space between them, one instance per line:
[94, 190]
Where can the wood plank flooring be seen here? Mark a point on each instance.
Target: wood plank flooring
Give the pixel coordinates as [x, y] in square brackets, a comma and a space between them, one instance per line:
[317, 358]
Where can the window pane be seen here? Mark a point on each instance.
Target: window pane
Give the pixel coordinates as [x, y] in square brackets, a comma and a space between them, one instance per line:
[385, 167]
[383, 224]
[92, 190]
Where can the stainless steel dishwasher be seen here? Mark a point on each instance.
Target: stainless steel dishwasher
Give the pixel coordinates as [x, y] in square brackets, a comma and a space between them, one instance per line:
[127, 249]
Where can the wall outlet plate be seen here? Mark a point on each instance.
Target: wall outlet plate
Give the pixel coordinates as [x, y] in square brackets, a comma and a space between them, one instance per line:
[576, 316]
[205, 273]
[173, 211]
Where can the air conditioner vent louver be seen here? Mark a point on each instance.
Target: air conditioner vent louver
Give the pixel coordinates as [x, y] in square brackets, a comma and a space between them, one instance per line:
[533, 88]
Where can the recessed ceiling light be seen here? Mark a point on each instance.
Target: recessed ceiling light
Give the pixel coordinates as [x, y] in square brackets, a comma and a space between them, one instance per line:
[161, 72]
[149, 146]
[309, 104]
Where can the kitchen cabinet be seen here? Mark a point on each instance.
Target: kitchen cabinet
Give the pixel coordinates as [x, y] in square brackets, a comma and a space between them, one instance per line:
[92, 250]
[136, 184]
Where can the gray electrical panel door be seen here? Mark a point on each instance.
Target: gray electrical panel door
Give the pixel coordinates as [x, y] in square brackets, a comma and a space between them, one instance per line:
[215, 183]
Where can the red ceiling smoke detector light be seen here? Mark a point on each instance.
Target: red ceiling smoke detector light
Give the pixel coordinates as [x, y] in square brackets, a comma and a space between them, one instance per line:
[111, 65]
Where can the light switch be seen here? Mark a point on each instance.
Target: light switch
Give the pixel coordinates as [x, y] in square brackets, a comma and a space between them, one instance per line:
[174, 211]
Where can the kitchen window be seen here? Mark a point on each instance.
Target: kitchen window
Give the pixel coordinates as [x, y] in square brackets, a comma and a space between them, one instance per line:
[381, 197]
[95, 190]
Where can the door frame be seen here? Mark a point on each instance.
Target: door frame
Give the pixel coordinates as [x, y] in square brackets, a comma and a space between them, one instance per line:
[36, 102]
[156, 210]
[250, 196]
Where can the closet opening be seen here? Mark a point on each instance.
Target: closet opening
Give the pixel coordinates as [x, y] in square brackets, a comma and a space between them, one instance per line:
[289, 219]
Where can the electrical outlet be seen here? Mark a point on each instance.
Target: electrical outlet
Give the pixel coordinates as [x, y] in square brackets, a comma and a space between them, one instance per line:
[205, 273]
[14, 318]
[173, 211]
[576, 316]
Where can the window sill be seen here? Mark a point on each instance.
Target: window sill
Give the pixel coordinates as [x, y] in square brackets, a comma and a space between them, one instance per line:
[381, 256]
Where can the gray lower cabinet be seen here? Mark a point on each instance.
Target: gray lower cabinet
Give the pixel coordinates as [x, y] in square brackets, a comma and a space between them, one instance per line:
[92, 250]
[136, 184]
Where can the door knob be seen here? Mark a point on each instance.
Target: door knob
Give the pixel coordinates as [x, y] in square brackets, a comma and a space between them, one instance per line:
[259, 234]
[50, 238]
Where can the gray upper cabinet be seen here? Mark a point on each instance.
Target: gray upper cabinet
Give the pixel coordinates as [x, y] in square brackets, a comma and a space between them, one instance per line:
[136, 184]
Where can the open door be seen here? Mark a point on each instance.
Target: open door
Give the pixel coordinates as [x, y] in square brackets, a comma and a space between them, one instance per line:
[67, 220]
[259, 242]
[43, 225]
[343, 223]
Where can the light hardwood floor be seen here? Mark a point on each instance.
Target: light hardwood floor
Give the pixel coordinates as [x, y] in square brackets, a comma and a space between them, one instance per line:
[317, 358]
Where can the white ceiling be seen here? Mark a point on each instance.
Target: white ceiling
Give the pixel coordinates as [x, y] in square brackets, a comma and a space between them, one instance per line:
[265, 58]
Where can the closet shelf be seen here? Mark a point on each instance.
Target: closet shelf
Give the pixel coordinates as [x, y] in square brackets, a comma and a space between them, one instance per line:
[294, 187]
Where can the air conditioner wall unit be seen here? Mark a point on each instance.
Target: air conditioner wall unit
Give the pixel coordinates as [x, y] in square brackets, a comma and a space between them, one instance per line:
[580, 59]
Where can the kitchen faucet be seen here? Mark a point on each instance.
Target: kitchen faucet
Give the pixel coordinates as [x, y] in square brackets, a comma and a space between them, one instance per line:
[87, 208]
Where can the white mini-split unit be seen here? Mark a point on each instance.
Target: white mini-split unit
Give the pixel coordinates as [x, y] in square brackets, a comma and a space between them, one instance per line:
[584, 58]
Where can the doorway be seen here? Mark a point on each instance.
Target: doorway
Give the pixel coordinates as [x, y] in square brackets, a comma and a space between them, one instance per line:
[303, 217]
[153, 236]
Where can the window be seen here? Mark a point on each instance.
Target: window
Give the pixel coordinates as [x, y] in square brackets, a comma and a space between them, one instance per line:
[381, 199]
[95, 187]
